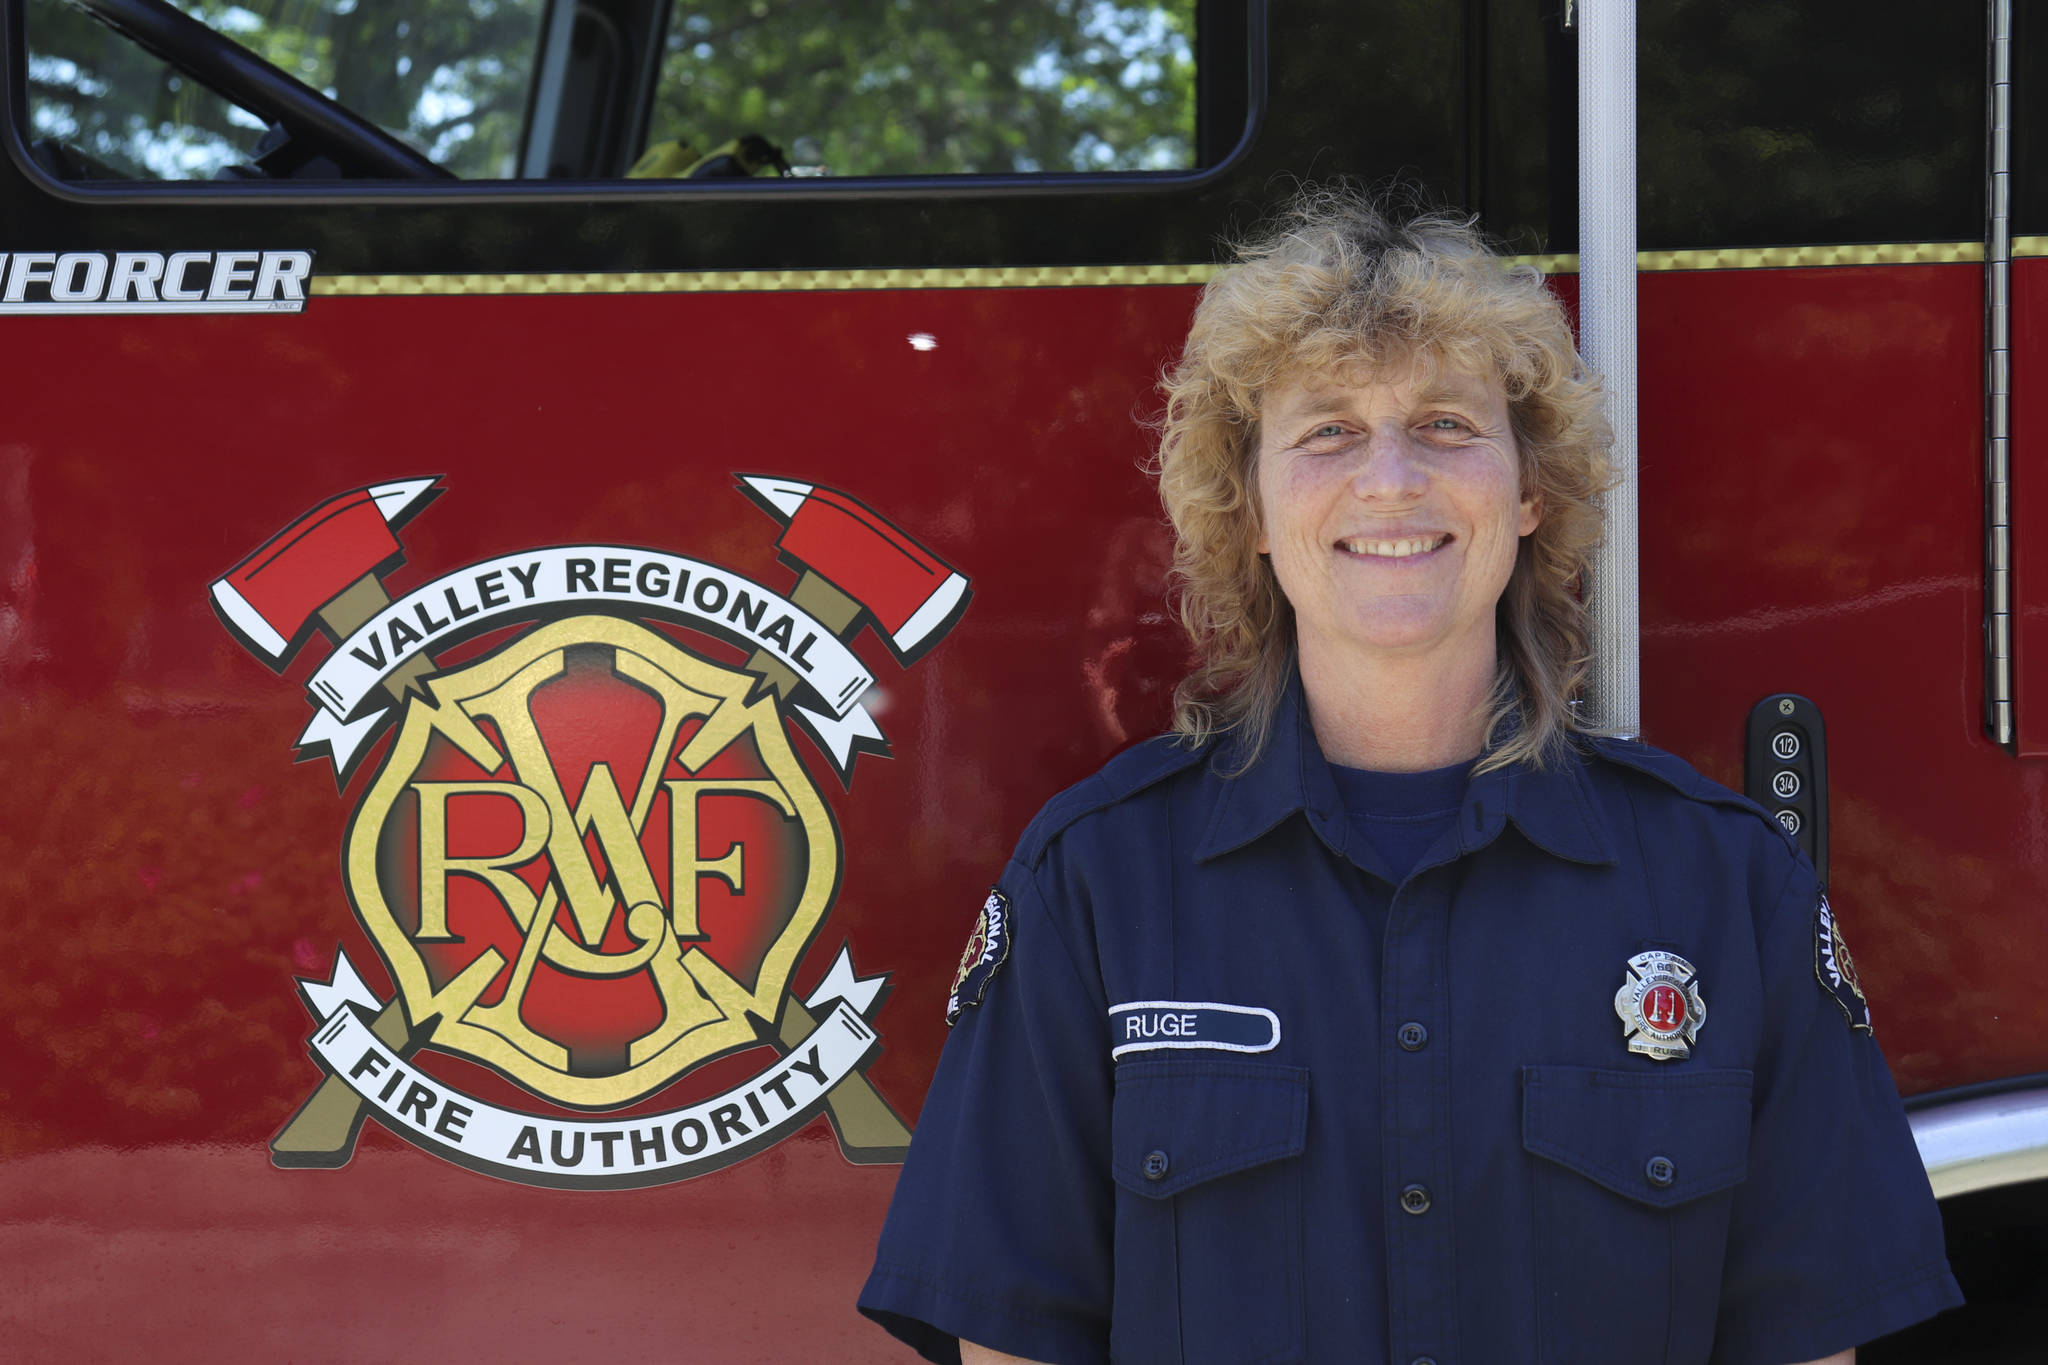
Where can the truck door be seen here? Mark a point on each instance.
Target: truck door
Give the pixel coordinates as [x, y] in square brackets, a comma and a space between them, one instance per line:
[678, 589]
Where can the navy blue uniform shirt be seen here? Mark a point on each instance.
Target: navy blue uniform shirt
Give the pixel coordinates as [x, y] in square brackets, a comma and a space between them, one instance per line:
[1234, 1096]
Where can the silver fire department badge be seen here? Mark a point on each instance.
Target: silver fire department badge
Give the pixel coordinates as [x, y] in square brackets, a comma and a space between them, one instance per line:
[1660, 1006]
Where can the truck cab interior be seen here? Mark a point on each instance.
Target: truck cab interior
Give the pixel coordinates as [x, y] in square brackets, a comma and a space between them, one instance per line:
[594, 90]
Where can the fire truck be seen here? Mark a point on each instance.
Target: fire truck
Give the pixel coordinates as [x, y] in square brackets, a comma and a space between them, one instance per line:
[549, 549]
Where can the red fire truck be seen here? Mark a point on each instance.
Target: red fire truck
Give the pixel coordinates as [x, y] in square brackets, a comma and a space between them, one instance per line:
[549, 548]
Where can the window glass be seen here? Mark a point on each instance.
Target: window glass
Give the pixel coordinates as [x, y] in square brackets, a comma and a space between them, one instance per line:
[2029, 121]
[1817, 121]
[891, 87]
[448, 76]
[1771, 123]
[935, 87]
[119, 111]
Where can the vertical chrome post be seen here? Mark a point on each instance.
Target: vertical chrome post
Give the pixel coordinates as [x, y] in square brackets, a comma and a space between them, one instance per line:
[1607, 336]
[1998, 670]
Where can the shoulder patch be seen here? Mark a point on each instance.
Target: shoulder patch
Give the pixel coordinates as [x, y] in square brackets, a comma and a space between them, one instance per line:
[1834, 968]
[988, 947]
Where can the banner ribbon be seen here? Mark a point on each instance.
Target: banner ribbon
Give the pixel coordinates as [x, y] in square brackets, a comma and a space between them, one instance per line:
[564, 578]
[616, 1153]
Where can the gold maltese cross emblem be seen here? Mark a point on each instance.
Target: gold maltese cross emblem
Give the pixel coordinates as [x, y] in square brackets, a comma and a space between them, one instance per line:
[1660, 1006]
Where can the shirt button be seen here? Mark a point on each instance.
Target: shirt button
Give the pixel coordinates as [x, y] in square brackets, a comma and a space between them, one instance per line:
[1661, 1172]
[1156, 1165]
[1415, 1199]
[1413, 1036]
[1423, 1360]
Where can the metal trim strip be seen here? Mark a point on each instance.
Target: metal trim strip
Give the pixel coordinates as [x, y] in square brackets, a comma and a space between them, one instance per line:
[1610, 268]
[1984, 1142]
[1999, 682]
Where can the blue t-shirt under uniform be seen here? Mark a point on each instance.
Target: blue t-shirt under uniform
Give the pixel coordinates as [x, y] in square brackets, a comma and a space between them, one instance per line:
[1223, 1089]
[1402, 815]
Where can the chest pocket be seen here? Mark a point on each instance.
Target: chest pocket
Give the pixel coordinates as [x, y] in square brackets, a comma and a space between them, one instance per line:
[1635, 1179]
[1205, 1154]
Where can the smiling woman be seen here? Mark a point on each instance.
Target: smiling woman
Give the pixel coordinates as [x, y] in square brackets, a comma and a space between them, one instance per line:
[1391, 507]
[1337, 296]
[1382, 827]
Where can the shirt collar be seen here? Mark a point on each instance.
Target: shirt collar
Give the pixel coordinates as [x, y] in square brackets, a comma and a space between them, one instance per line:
[1550, 806]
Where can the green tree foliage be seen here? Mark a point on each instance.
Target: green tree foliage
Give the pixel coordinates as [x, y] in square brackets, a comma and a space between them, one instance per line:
[906, 87]
[879, 87]
[449, 76]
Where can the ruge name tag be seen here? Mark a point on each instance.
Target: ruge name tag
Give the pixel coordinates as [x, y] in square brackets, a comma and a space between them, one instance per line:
[1147, 1025]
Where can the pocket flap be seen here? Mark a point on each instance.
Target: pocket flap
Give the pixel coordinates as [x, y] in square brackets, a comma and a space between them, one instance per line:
[1179, 1122]
[1659, 1140]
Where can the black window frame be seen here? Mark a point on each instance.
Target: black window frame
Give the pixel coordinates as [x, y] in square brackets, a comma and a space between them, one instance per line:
[1252, 90]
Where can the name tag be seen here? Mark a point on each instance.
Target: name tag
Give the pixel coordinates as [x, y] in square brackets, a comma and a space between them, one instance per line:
[1146, 1025]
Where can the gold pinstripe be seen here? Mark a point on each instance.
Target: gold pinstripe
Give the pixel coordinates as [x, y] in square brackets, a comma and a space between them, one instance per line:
[1786, 257]
[1041, 277]
[723, 281]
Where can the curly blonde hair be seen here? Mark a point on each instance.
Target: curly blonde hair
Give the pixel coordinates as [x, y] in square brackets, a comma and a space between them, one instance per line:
[1341, 279]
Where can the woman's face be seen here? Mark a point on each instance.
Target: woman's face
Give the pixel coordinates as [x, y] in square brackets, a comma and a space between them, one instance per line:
[1392, 507]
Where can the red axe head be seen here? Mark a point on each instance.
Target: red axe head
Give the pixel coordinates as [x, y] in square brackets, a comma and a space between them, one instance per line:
[270, 599]
[912, 595]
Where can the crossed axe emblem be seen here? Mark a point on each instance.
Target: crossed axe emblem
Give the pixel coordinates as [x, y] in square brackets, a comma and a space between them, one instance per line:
[326, 572]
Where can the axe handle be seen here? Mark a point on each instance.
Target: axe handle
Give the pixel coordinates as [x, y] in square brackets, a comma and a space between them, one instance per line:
[323, 1132]
[834, 609]
[869, 1130]
[354, 606]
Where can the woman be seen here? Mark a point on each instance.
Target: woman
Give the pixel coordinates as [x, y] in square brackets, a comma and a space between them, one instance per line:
[1366, 1018]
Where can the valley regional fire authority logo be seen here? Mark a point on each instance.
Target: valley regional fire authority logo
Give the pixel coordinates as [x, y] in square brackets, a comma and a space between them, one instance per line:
[590, 858]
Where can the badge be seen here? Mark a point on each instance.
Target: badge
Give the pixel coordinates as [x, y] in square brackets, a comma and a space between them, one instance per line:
[1837, 972]
[987, 947]
[1660, 1007]
[590, 855]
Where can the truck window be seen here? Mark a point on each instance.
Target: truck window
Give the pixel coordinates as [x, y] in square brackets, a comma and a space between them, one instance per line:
[602, 89]
[449, 77]
[1773, 124]
[964, 87]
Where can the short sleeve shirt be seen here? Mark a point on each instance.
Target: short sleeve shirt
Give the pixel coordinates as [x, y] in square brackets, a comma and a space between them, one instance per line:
[1234, 1096]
